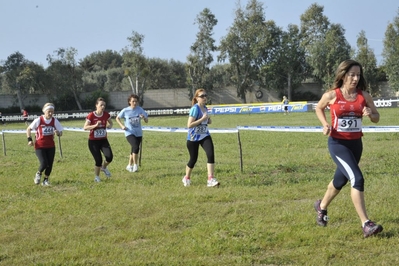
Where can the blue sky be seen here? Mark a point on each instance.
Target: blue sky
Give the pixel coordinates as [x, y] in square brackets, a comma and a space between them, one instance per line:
[37, 28]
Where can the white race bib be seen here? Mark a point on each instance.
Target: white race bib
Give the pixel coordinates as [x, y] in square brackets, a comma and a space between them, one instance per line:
[201, 129]
[349, 124]
[47, 131]
[100, 133]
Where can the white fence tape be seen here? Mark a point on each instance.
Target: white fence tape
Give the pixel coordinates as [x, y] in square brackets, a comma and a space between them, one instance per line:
[376, 129]
[212, 130]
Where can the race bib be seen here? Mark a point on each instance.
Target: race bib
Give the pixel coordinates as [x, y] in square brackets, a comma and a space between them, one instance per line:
[134, 121]
[48, 131]
[100, 133]
[201, 129]
[349, 124]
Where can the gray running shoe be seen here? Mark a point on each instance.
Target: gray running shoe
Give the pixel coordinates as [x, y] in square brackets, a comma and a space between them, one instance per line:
[106, 172]
[370, 228]
[37, 178]
[322, 217]
[46, 182]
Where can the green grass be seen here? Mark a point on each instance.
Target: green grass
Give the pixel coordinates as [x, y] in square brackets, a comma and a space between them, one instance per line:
[261, 216]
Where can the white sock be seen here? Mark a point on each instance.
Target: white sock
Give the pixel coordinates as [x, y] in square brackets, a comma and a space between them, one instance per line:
[365, 223]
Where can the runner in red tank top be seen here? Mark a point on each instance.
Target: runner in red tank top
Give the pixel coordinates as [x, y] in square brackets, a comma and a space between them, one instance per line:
[349, 103]
[45, 126]
[346, 116]
[97, 122]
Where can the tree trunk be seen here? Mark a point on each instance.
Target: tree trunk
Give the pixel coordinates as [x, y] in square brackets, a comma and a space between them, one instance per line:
[20, 101]
[77, 100]
[131, 83]
[241, 93]
[289, 87]
[137, 85]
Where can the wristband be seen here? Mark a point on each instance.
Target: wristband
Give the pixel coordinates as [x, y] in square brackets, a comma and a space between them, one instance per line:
[30, 139]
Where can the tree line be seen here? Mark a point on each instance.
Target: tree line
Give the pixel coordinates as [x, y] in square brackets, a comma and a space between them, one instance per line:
[255, 54]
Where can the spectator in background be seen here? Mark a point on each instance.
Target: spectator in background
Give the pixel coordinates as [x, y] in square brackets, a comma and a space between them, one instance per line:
[132, 115]
[285, 103]
[25, 116]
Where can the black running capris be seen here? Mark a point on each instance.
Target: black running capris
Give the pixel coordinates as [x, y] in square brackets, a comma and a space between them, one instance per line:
[46, 160]
[98, 146]
[346, 155]
[193, 147]
[134, 143]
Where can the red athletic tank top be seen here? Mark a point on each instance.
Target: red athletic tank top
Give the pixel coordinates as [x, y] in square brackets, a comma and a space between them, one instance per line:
[45, 134]
[346, 116]
[99, 132]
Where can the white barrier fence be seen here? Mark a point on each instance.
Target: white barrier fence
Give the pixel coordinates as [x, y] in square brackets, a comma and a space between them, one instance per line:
[316, 129]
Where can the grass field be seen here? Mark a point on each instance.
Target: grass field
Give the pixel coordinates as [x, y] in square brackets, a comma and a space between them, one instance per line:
[261, 216]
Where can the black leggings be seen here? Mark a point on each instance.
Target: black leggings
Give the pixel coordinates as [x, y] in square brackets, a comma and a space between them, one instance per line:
[134, 143]
[193, 146]
[46, 159]
[346, 155]
[98, 146]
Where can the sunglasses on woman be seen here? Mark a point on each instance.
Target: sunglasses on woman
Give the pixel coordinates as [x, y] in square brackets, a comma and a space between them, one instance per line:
[203, 96]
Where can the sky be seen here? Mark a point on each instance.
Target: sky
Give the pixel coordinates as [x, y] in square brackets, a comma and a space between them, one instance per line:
[37, 28]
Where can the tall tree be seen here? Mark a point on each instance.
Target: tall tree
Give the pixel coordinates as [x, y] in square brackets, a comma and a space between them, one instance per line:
[391, 53]
[221, 76]
[135, 64]
[289, 68]
[337, 49]
[165, 74]
[22, 76]
[365, 55]
[178, 75]
[101, 60]
[66, 73]
[249, 45]
[324, 43]
[200, 58]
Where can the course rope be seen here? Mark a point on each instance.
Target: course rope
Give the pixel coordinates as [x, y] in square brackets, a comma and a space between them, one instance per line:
[315, 129]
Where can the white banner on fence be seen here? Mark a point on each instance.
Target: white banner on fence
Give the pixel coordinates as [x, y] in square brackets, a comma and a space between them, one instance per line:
[376, 129]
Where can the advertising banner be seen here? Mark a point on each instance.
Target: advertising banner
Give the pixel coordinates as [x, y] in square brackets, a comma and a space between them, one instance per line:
[257, 108]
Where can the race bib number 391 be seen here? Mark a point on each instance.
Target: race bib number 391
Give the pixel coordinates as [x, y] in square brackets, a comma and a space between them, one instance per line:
[349, 124]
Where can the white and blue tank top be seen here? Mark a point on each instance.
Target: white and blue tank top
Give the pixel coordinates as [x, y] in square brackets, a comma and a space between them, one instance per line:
[201, 131]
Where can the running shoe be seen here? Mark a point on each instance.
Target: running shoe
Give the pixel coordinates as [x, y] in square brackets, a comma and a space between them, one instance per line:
[97, 179]
[213, 183]
[370, 228]
[106, 172]
[46, 182]
[129, 168]
[322, 217]
[135, 168]
[38, 176]
[186, 182]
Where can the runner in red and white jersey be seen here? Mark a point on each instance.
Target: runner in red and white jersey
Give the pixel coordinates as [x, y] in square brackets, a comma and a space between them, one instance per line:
[45, 126]
[97, 122]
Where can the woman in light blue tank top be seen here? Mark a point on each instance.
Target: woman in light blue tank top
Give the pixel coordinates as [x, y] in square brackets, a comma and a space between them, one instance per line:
[132, 115]
[198, 134]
